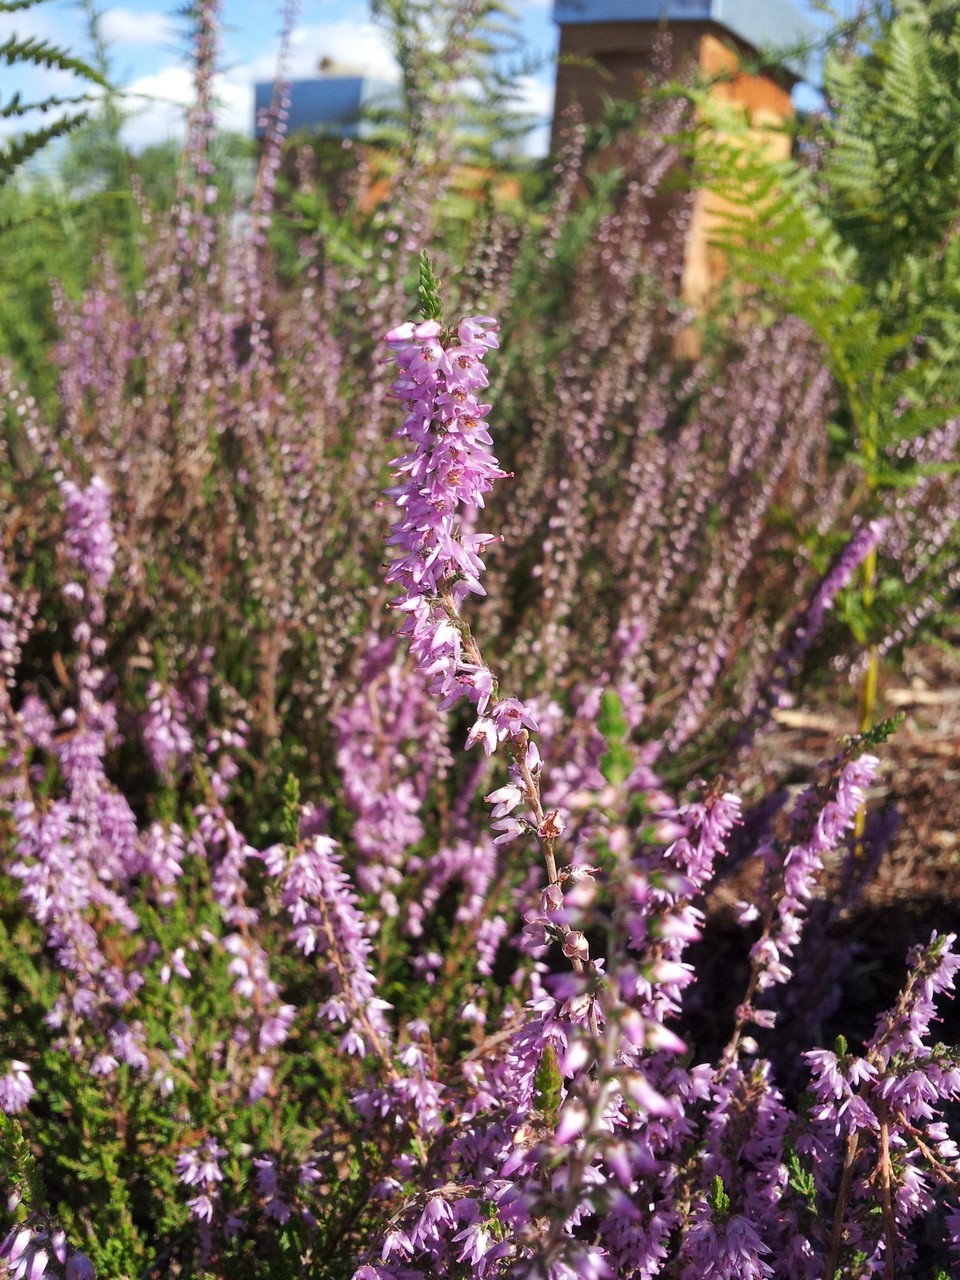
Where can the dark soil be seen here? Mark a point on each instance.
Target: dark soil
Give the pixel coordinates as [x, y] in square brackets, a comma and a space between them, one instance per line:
[914, 889]
[919, 777]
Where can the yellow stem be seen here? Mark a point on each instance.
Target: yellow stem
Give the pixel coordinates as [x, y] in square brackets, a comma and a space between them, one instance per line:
[870, 682]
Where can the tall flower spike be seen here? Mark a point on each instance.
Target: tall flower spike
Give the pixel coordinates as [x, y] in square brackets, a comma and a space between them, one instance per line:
[439, 484]
[441, 481]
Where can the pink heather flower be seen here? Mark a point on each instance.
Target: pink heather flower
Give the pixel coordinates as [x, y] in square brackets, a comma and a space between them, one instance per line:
[511, 718]
[22, 1257]
[509, 829]
[79, 1267]
[440, 482]
[259, 1085]
[164, 729]
[276, 1027]
[504, 800]
[202, 1208]
[201, 1164]
[89, 539]
[16, 1088]
[15, 1245]
[395, 1242]
[477, 1243]
[104, 1064]
[266, 1175]
[484, 731]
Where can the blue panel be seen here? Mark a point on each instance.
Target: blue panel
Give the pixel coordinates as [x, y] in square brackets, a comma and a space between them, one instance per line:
[570, 11]
[329, 103]
[764, 24]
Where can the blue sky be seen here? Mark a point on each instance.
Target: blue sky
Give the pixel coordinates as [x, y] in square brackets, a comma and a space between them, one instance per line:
[148, 54]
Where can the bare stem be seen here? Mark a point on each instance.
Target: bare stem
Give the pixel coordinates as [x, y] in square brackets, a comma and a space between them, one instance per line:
[843, 1195]
[889, 1226]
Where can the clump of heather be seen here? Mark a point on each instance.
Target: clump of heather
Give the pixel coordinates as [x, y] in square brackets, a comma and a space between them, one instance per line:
[442, 1019]
[358, 878]
[722, 1188]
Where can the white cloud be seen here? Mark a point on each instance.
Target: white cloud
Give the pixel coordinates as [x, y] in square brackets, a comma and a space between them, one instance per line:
[361, 46]
[122, 26]
[39, 23]
[536, 96]
[536, 100]
[158, 105]
[158, 100]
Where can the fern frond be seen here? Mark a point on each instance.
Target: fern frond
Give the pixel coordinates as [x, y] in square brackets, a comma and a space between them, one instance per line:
[19, 150]
[17, 108]
[44, 54]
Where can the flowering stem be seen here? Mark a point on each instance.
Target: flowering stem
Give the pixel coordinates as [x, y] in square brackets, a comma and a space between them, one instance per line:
[440, 482]
[871, 679]
[518, 745]
[518, 749]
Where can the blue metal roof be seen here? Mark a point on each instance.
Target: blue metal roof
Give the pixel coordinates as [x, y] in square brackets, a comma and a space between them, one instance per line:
[764, 24]
[333, 104]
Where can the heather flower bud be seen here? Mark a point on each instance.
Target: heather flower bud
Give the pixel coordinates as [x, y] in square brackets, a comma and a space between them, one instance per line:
[661, 1038]
[551, 899]
[579, 1055]
[617, 1156]
[644, 1096]
[575, 946]
[79, 1267]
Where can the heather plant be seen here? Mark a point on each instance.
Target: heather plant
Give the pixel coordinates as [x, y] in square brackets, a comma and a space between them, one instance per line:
[414, 1051]
[348, 910]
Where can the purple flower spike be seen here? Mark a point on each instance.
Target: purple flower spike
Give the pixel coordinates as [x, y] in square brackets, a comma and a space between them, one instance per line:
[439, 485]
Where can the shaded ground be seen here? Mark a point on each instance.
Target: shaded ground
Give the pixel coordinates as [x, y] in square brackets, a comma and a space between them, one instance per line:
[915, 889]
[919, 776]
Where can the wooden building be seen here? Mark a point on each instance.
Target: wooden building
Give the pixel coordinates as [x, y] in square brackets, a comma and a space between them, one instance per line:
[607, 50]
[607, 47]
